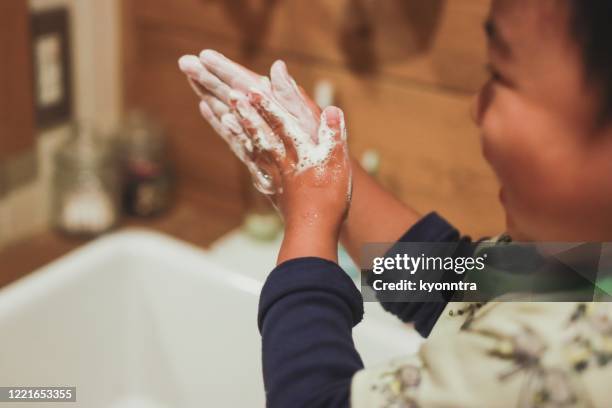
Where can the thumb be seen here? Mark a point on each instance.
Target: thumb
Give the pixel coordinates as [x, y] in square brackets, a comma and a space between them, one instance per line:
[332, 125]
[332, 134]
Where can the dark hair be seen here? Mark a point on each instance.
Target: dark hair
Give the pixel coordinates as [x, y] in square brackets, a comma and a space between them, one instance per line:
[592, 27]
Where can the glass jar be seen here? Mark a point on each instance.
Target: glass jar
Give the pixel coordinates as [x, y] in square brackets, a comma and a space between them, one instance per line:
[86, 184]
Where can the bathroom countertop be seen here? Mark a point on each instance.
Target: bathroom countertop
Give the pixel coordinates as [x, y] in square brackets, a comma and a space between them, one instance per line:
[189, 220]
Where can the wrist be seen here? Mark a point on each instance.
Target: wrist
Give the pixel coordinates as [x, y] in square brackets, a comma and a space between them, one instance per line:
[317, 229]
[309, 241]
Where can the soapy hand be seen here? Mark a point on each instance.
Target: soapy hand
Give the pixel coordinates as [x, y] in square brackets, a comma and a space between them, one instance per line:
[298, 154]
[215, 108]
[315, 170]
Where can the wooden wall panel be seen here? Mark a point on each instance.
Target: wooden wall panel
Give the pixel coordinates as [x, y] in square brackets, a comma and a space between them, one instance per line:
[414, 110]
[202, 160]
[248, 23]
[16, 93]
[438, 42]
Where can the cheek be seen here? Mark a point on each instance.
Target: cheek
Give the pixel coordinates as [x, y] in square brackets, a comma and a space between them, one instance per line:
[511, 147]
[535, 159]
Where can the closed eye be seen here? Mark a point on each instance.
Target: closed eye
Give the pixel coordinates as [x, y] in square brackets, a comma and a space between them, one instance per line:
[497, 77]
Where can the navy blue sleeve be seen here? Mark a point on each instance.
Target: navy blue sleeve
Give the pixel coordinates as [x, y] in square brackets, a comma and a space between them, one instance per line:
[431, 228]
[307, 310]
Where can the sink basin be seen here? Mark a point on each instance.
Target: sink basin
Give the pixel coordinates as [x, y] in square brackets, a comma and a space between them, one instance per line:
[139, 319]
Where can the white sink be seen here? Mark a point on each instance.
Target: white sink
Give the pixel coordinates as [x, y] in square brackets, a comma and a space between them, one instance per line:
[139, 319]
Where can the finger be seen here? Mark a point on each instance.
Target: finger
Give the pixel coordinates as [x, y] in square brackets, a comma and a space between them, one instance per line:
[218, 107]
[193, 68]
[332, 118]
[224, 114]
[332, 141]
[190, 65]
[288, 94]
[284, 88]
[258, 130]
[227, 117]
[230, 121]
[281, 123]
[266, 163]
[231, 73]
[230, 138]
[332, 132]
[214, 121]
[263, 174]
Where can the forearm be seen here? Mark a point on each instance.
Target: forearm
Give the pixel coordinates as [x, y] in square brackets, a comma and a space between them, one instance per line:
[308, 239]
[375, 214]
[307, 310]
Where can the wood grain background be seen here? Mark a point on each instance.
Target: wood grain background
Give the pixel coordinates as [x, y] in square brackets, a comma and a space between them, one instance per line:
[16, 92]
[405, 72]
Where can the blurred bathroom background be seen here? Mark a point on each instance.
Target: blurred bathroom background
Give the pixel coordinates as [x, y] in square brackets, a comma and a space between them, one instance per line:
[404, 71]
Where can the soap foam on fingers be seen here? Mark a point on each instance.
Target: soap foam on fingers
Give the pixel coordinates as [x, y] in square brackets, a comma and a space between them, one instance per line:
[247, 123]
[311, 151]
[231, 73]
[193, 68]
[288, 94]
[215, 98]
[263, 138]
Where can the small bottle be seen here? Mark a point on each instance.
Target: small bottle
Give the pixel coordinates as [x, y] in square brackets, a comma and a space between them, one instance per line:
[147, 183]
[85, 184]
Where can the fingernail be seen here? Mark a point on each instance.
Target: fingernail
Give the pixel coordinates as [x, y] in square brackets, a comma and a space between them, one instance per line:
[279, 72]
[281, 64]
[206, 53]
[182, 62]
[210, 55]
[188, 63]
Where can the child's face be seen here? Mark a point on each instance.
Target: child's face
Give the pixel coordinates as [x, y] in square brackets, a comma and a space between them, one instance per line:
[538, 121]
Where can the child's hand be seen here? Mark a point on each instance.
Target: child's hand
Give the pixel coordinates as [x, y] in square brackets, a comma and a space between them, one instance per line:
[274, 126]
[215, 78]
[215, 108]
[315, 173]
